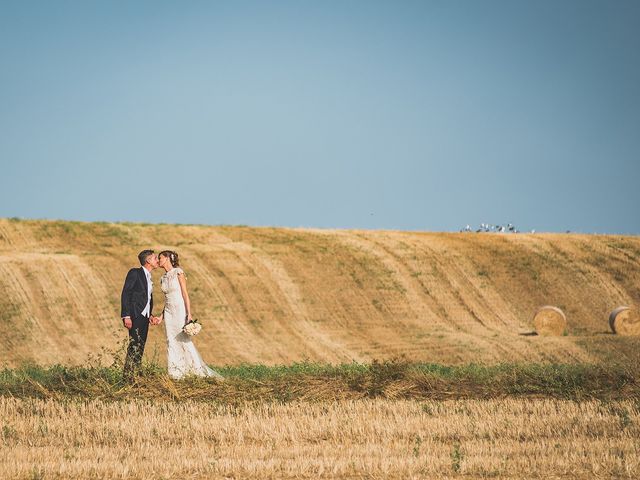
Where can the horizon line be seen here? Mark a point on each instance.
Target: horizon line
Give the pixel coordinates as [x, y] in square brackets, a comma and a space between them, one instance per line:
[244, 225]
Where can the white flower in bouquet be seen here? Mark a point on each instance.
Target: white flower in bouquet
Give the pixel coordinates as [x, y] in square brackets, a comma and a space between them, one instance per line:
[192, 327]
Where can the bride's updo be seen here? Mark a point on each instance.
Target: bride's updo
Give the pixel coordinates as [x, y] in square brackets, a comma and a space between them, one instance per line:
[172, 256]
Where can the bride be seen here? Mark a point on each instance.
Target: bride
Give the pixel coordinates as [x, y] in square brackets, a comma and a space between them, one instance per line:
[182, 356]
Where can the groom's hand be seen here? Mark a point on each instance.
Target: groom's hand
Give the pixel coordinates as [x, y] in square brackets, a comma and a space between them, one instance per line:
[127, 322]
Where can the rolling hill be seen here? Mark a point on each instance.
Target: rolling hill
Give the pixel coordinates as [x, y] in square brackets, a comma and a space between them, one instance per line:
[278, 295]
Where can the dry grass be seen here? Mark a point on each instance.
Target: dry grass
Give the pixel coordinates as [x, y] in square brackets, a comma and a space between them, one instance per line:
[272, 296]
[504, 438]
[280, 295]
[390, 379]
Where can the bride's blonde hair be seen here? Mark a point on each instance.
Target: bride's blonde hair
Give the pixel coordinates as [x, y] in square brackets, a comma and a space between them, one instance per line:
[172, 256]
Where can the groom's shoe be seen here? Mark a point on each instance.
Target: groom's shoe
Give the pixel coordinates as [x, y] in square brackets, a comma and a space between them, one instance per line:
[130, 377]
[131, 370]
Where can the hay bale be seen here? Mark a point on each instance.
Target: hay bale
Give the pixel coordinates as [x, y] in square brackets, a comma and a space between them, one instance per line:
[625, 321]
[549, 320]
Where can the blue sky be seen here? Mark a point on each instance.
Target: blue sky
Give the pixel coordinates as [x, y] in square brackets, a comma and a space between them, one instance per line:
[353, 114]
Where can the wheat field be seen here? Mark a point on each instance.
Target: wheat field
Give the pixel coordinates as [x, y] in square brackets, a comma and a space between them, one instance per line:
[506, 438]
[276, 296]
[279, 295]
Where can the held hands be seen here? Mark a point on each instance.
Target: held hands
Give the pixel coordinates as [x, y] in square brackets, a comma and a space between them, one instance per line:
[153, 320]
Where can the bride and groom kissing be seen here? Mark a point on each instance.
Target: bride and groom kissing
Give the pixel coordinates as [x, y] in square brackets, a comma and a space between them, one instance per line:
[136, 313]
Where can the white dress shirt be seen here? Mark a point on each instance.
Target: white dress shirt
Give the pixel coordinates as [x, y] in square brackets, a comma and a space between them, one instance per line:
[147, 310]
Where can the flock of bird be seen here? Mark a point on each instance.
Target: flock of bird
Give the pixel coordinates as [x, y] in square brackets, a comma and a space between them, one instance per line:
[487, 227]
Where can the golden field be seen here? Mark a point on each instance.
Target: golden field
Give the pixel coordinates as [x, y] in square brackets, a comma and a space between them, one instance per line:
[278, 295]
[503, 438]
[492, 402]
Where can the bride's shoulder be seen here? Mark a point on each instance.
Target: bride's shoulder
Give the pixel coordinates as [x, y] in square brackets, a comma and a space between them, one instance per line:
[178, 271]
[174, 272]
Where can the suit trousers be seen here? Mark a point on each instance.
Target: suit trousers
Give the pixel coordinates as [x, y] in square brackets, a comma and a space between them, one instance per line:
[137, 339]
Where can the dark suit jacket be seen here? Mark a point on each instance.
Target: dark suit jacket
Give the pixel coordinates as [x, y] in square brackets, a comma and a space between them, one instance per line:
[134, 294]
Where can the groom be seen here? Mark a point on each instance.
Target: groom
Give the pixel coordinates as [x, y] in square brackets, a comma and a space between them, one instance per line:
[136, 308]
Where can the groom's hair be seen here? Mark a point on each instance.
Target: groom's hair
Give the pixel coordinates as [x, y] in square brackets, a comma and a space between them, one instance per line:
[142, 256]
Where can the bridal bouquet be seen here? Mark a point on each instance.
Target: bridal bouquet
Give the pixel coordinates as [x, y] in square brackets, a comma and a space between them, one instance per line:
[192, 327]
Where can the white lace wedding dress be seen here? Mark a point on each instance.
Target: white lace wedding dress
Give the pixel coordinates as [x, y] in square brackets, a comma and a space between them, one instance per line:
[182, 356]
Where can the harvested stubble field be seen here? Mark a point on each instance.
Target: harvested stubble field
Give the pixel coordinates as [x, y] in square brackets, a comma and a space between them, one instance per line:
[375, 438]
[307, 325]
[280, 295]
[391, 419]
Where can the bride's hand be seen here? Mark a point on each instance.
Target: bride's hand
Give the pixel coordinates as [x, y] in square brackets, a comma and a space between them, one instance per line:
[189, 317]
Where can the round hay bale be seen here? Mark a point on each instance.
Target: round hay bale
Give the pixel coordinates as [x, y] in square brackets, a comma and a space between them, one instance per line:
[549, 320]
[625, 321]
